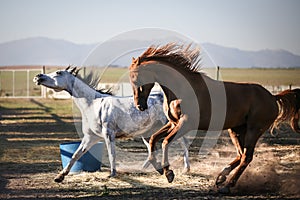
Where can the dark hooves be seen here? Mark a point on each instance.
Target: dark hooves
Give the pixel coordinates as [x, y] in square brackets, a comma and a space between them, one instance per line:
[160, 171]
[224, 190]
[113, 174]
[170, 176]
[186, 170]
[221, 179]
[159, 168]
[59, 178]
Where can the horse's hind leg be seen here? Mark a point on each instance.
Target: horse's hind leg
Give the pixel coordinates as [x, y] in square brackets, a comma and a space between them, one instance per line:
[185, 144]
[237, 137]
[79, 152]
[85, 145]
[250, 141]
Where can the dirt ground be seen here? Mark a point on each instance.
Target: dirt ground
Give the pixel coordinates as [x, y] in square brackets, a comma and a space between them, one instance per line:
[31, 131]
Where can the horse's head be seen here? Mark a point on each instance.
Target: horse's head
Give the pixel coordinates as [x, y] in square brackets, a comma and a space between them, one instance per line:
[142, 81]
[59, 80]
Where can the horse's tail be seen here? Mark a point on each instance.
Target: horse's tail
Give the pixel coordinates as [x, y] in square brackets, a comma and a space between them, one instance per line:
[289, 108]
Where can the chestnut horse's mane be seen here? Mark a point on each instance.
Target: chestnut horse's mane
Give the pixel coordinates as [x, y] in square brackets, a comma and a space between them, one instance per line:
[177, 55]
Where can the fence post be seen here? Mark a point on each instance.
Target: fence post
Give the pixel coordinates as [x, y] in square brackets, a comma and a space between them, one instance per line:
[218, 72]
[44, 89]
[27, 83]
[13, 80]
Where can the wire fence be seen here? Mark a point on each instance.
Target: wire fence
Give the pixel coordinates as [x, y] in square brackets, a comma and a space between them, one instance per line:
[17, 83]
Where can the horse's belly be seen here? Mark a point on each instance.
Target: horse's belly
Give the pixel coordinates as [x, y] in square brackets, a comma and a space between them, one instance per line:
[132, 131]
[215, 122]
[134, 126]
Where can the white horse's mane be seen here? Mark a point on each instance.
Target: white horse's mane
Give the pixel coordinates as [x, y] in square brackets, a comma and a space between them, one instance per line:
[92, 79]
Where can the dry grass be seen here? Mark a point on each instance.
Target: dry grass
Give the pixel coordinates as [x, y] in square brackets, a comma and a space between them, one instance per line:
[31, 131]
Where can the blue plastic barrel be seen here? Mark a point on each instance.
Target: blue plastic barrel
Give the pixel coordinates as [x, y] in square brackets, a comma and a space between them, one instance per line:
[90, 161]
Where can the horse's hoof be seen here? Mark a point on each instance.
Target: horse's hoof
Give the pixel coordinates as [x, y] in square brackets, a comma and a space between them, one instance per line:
[221, 179]
[159, 168]
[113, 174]
[170, 176]
[186, 170]
[160, 171]
[59, 178]
[224, 190]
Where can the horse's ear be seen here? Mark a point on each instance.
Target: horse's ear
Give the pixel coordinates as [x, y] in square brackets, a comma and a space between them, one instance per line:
[133, 60]
[76, 72]
[138, 61]
[68, 68]
[73, 70]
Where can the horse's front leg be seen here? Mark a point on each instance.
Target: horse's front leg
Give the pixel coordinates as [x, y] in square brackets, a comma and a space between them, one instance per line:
[184, 144]
[165, 160]
[153, 139]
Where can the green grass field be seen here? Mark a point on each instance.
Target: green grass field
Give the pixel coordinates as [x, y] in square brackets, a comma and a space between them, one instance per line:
[266, 77]
[18, 83]
[272, 77]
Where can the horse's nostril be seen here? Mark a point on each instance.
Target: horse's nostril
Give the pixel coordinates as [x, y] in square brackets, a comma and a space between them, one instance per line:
[38, 79]
[141, 108]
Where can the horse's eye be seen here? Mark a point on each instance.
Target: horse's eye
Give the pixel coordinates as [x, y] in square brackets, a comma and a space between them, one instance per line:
[58, 72]
[133, 77]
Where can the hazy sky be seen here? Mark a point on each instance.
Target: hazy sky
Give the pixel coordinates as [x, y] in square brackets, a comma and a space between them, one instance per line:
[247, 25]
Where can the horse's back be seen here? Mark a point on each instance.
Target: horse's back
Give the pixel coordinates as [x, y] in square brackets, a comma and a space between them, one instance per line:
[127, 119]
[249, 103]
[226, 105]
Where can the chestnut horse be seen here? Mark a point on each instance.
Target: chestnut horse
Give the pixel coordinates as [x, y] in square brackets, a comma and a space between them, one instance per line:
[195, 101]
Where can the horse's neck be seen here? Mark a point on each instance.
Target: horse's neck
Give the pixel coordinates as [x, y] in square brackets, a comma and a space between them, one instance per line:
[183, 80]
[170, 96]
[185, 86]
[84, 95]
[82, 90]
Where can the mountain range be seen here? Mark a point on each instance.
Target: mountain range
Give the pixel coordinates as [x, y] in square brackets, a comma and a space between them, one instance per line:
[46, 51]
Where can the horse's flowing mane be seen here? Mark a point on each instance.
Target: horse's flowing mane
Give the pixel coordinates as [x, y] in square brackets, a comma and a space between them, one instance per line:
[178, 55]
[92, 80]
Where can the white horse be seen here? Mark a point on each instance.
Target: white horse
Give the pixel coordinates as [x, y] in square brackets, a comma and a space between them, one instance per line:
[104, 115]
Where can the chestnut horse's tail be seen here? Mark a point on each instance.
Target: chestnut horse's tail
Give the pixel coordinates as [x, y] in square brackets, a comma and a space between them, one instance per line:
[289, 108]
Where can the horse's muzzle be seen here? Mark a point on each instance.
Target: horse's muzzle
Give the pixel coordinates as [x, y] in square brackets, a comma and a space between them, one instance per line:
[142, 108]
[38, 79]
